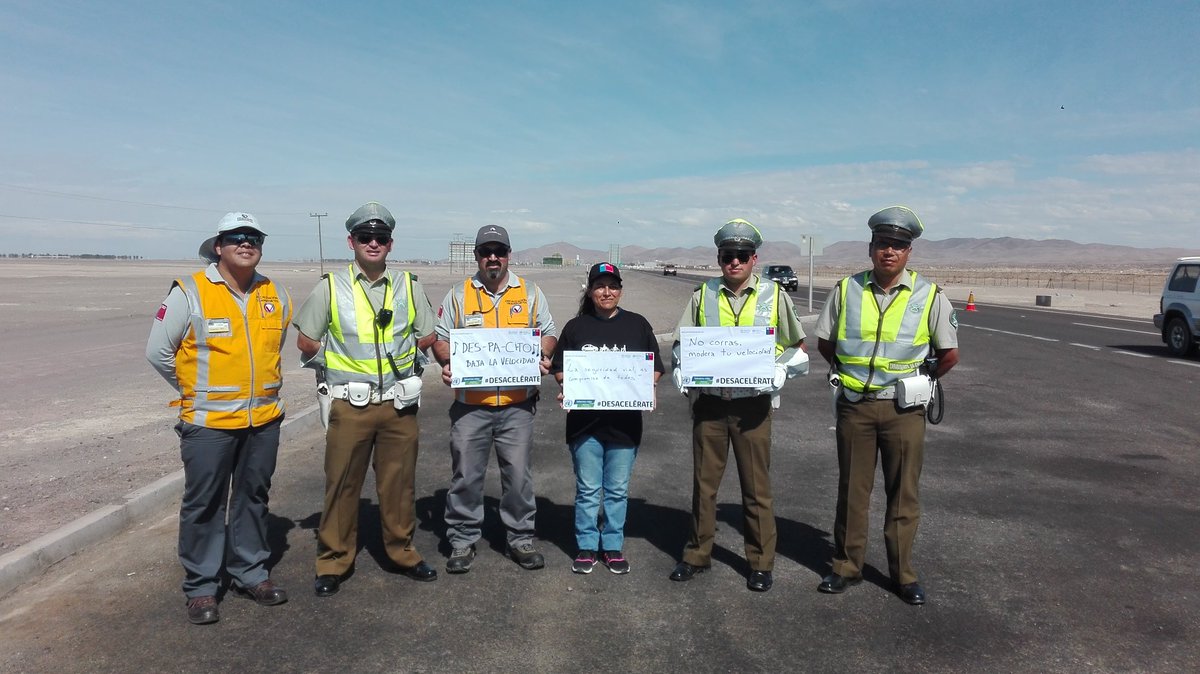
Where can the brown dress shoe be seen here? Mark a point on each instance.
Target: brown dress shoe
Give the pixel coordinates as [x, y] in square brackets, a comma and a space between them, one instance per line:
[265, 593]
[202, 610]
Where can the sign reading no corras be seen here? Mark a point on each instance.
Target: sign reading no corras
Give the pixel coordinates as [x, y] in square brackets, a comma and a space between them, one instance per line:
[495, 357]
[727, 356]
[608, 380]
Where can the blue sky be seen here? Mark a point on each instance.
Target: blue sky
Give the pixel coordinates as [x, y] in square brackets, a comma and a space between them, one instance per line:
[131, 127]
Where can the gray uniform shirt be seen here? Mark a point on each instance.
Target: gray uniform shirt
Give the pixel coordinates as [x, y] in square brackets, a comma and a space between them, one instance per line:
[173, 319]
[943, 325]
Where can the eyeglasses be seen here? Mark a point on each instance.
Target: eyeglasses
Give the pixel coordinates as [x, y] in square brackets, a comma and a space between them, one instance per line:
[365, 239]
[743, 256]
[490, 251]
[238, 238]
[880, 244]
[383, 318]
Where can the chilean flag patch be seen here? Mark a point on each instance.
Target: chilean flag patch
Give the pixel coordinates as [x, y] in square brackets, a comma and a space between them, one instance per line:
[162, 311]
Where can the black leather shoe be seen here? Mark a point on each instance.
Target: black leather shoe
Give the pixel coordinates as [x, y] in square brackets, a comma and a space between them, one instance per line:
[422, 572]
[265, 593]
[327, 585]
[911, 593]
[835, 584]
[202, 610]
[684, 571]
[760, 581]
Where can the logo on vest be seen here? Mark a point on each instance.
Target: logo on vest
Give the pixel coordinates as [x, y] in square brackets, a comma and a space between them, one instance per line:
[516, 309]
[268, 308]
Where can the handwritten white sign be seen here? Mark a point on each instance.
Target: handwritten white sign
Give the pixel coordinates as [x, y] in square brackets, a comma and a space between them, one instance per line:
[608, 380]
[727, 356]
[495, 357]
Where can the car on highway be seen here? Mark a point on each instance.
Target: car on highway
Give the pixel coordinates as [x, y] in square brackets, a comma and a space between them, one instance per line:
[1179, 307]
[783, 275]
[669, 270]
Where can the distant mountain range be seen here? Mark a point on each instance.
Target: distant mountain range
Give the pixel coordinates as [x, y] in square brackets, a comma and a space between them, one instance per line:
[1003, 251]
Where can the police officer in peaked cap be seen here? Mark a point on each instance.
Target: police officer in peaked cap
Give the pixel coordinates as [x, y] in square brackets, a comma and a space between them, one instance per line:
[740, 415]
[371, 367]
[874, 418]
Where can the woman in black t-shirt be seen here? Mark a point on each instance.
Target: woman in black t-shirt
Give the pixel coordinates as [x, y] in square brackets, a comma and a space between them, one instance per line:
[603, 443]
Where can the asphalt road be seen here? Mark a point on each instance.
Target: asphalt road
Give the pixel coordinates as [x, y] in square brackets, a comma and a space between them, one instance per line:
[1059, 534]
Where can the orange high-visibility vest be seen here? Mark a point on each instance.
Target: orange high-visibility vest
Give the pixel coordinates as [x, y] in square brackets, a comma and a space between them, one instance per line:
[513, 309]
[228, 364]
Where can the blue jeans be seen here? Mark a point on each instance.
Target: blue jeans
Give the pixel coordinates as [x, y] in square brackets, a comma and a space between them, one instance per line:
[600, 468]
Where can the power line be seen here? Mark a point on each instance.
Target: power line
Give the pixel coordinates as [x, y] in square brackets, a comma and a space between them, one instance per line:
[117, 225]
[73, 195]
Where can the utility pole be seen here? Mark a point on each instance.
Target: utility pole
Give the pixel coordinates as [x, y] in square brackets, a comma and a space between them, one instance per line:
[811, 240]
[320, 243]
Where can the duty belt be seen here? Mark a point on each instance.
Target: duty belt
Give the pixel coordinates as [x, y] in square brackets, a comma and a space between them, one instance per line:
[342, 392]
[888, 393]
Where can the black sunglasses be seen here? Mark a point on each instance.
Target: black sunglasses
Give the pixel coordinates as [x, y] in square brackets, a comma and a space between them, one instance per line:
[891, 243]
[743, 256]
[489, 251]
[383, 318]
[365, 238]
[238, 238]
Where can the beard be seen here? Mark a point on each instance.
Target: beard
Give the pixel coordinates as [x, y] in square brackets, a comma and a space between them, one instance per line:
[493, 274]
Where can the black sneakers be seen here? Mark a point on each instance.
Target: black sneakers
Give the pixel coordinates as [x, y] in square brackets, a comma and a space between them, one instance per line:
[584, 562]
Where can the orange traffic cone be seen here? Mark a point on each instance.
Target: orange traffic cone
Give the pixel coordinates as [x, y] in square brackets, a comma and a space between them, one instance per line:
[971, 301]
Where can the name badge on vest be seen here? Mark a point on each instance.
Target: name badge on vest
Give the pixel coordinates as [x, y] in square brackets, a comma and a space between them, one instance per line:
[218, 326]
[473, 321]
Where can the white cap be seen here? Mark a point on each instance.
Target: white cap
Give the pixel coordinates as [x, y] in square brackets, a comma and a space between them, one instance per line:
[229, 222]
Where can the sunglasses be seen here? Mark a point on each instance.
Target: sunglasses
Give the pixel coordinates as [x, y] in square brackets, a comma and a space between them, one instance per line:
[238, 238]
[743, 256]
[383, 318]
[365, 239]
[490, 251]
[881, 244]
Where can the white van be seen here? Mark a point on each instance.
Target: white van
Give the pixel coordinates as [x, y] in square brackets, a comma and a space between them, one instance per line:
[1179, 317]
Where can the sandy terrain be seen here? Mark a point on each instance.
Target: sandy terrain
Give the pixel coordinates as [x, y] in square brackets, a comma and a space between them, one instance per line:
[85, 419]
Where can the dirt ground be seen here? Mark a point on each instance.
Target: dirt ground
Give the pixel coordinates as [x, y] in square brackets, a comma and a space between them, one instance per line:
[85, 419]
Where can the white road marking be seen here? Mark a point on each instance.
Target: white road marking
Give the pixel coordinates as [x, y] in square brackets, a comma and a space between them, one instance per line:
[1015, 334]
[1130, 353]
[1184, 362]
[1086, 346]
[1109, 327]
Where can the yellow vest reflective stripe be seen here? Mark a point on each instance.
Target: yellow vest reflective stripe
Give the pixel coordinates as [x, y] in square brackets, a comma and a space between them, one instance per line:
[513, 309]
[357, 348]
[763, 301]
[874, 349]
[228, 363]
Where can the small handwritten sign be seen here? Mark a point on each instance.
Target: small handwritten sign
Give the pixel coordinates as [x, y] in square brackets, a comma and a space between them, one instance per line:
[495, 357]
[727, 356]
[608, 380]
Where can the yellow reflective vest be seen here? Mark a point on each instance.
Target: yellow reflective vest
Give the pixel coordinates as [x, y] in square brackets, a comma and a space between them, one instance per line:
[876, 349]
[228, 364]
[358, 346]
[762, 304]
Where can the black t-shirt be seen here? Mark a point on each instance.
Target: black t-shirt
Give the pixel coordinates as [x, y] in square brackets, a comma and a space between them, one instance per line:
[626, 331]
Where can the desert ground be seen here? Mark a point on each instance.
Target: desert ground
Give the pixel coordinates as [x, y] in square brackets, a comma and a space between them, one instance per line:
[85, 420]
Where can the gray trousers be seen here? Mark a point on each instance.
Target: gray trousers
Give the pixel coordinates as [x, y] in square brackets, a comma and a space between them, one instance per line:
[211, 458]
[474, 429]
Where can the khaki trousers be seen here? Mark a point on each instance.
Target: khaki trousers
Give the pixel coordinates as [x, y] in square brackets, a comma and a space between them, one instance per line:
[746, 424]
[866, 430]
[387, 438]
